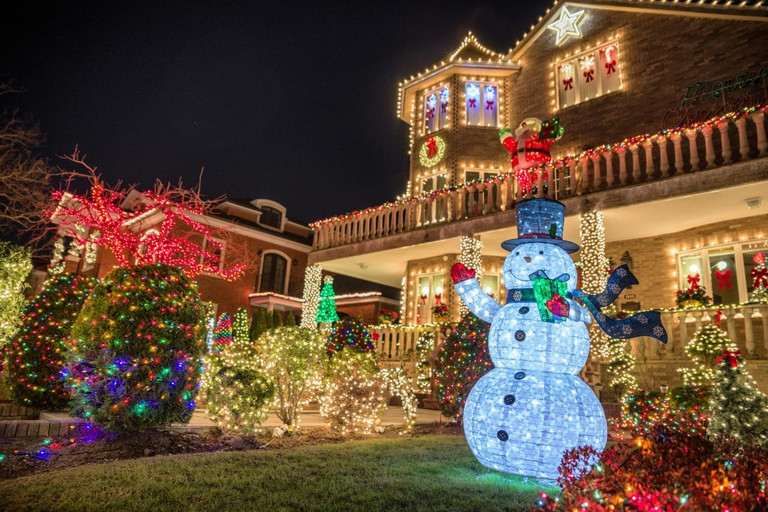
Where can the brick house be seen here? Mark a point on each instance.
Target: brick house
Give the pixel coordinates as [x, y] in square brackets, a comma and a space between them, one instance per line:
[663, 105]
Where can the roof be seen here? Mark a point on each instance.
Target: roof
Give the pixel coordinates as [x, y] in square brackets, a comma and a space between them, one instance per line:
[248, 203]
[306, 240]
[752, 10]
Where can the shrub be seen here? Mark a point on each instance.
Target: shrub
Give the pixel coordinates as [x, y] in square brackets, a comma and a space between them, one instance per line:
[36, 355]
[292, 358]
[704, 348]
[237, 393]
[15, 265]
[460, 362]
[134, 358]
[349, 334]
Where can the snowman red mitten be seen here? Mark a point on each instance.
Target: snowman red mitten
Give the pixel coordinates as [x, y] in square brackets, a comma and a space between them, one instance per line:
[557, 305]
[460, 273]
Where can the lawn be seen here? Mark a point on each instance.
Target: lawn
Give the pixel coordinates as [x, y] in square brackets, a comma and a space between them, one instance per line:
[421, 473]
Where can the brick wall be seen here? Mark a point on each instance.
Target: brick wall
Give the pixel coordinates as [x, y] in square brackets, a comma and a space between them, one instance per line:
[659, 55]
[654, 264]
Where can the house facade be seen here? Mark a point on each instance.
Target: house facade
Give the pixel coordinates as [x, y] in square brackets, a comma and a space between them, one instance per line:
[663, 166]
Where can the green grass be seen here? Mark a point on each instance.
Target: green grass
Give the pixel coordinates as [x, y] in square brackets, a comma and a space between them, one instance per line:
[424, 473]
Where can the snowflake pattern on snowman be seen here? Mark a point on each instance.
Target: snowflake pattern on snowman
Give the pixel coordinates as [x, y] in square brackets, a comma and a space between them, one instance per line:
[521, 416]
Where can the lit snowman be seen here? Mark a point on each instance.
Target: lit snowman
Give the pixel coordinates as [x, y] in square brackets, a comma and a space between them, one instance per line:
[521, 416]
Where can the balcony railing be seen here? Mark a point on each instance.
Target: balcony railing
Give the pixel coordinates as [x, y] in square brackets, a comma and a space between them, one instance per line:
[399, 343]
[746, 325]
[737, 136]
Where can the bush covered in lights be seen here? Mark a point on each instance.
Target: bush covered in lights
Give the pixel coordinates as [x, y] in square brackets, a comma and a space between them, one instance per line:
[460, 362]
[15, 265]
[354, 395]
[349, 334]
[664, 470]
[236, 391]
[135, 356]
[36, 355]
[293, 358]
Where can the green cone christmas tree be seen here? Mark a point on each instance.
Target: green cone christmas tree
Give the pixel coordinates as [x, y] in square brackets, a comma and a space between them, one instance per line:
[739, 410]
[704, 348]
[460, 362]
[326, 312]
[240, 326]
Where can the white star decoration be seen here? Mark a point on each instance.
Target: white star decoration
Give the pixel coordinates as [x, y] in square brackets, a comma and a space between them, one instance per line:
[567, 25]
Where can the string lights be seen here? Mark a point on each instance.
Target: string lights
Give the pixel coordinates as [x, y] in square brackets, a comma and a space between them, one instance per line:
[471, 257]
[313, 278]
[15, 265]
[704, 348]
[594, 275]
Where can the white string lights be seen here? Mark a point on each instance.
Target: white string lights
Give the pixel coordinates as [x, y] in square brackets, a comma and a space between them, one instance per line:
[313, 277]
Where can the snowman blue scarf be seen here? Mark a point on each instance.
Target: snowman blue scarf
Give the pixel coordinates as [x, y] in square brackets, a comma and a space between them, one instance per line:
[642, 324]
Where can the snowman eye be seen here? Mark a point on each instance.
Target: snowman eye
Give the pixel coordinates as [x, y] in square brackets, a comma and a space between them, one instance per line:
[517, 253]
[541, 252]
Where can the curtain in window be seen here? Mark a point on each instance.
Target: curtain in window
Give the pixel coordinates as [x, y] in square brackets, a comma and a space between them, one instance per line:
[273, 274]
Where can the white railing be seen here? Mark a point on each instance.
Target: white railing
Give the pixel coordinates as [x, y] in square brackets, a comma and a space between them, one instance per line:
[641, 160]
[746, 325]
[396, 342]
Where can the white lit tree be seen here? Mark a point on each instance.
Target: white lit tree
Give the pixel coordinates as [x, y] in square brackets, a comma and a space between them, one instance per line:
[704, 348]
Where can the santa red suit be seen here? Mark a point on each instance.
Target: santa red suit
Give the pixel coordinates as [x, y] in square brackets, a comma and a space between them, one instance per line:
[530, 148]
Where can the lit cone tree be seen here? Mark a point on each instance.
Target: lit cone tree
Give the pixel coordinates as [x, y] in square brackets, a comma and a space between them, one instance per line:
[36, 355]
[620, 366]
[759, 274]
[240, 326]
[739, 410]
[706, 346]
[460, 362]
[222, 334]
[326, 311]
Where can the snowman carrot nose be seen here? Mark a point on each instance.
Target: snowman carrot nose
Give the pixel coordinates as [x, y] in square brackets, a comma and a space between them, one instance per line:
[527, 259]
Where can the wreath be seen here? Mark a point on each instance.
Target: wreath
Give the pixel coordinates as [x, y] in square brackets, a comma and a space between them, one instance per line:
[432, 151]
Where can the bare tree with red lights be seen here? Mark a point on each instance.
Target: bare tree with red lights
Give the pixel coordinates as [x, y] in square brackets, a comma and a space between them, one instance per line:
[184, 238]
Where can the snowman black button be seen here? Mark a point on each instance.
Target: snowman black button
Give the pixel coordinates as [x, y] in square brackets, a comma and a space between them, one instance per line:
[520, 335]
[520, 375]
[509, 399]
[502, 435]
[524, 310]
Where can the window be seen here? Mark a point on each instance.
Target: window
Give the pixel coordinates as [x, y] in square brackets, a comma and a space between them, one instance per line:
[482, 104]
[434, 182]
[436, 109]
[271, 217]
[273, 273]
[430, 295]
[725, 271]
[476, 175]
[491, 285]
[588, 75]
[214, 252]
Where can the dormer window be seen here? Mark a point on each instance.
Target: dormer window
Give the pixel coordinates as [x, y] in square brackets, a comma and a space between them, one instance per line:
[482, 103]
[436, 109]
[588, 75]
[271, 217]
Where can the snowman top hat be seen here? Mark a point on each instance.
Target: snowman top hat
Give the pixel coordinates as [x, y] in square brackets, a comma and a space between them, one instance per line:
[540, 221]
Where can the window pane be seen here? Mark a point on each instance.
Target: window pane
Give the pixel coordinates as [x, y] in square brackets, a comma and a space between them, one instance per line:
[445, 97]
[428, 185]
[609, 68]
[725, 289]
[490, 105]
[430, 112]
[491, 284]
[273, 273]
[441, 181]
[473, 103]
[270, 217]
[566, 83]
[437, 284]
[690, 266]
[752, 270]
[587, 79]
[471, 175]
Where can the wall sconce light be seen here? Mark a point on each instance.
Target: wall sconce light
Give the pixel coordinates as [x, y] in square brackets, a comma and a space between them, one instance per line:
[295, 262]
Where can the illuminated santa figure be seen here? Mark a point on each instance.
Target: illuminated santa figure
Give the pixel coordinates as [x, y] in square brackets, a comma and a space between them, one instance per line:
[529, 148]
[521, 416]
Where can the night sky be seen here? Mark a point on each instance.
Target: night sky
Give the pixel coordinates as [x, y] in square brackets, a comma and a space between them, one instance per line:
[292, 102]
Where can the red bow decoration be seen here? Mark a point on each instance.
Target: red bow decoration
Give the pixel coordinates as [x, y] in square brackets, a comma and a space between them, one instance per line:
[460, 273]
[730, 356]
[375, 336]
[558, 306]
[423, 300]
[719, 317]
[611, 66]
[430, 113]
[443, 106]
[489, 104]
[589, 75]
[472, 102]
[431, 146]
[568, 84]
[723, 279]
[760, 276]
[694, 282]
[438, 299]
